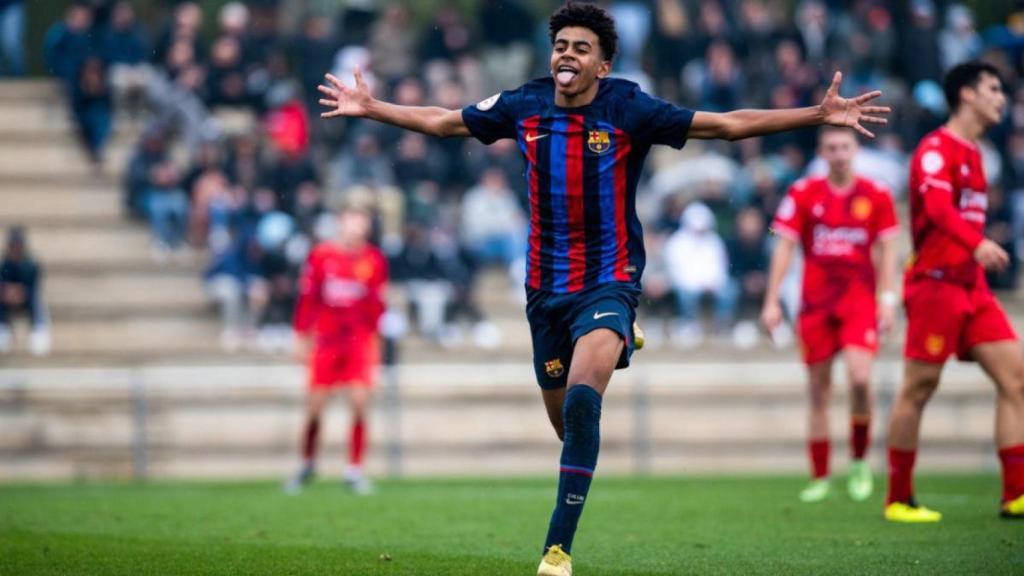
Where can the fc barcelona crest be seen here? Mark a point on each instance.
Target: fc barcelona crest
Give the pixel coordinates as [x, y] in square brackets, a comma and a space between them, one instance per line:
[554, 368]
[598, 141]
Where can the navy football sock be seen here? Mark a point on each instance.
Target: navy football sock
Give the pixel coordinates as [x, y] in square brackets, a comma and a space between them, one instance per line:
[581, 415]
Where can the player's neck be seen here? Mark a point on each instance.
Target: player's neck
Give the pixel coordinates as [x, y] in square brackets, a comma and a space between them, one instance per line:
[577, 100]
[966, 126]
[348, 244]
[841, 183]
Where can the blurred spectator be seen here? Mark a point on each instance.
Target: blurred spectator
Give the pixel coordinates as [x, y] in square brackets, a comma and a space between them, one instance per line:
[123, 49]
[168, 210]
[176, 102]
[493, 225]
[312, 53]
[919, 57]
[150, 151]
[68, 44]
[960, 41]
[182, 30]
[92, 107]
[273, 297]
[21, 291]
[507, 26]
[748, 272]
[205, 184]
[230, 281]
[698, 266]
[287, 124]
[393, 42]
[672, 46]
[999, 227]
[225, 77]
[12, 37]
[291, 170]
[417, 269]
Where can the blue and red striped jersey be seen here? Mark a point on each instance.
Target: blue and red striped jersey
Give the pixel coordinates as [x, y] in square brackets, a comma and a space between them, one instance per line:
[583, 166]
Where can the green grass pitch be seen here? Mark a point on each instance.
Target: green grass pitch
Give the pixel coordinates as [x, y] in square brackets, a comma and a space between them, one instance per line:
[694, 525]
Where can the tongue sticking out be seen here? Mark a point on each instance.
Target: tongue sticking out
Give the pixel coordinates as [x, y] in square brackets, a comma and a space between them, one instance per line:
[565, 77]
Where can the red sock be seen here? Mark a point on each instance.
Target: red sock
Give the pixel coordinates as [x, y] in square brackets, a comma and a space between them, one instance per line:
[901, 475]
[357, 443]
[820, 450]
[860, 436]
[1013, 471]
[309, 439]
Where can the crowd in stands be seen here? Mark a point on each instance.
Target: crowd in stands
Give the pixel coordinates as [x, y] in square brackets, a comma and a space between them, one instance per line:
[235, 164]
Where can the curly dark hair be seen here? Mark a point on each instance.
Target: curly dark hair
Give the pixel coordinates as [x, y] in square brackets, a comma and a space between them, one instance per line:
[591, 17]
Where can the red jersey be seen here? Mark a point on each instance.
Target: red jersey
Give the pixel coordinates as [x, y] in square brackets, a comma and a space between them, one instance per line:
[836, 231]
[341, 293]
[948, 201]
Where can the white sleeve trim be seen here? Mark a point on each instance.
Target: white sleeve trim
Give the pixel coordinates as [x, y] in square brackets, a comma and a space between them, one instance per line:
[787, 231]
[937, 183]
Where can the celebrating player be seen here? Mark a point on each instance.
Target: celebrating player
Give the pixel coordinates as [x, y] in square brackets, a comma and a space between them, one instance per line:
[950, 308]
[837, 220]
[340, 303]
[585, 136]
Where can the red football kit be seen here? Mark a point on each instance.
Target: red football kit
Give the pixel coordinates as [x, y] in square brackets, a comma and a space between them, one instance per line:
[341, 299]
[950, 308]
[836, 230]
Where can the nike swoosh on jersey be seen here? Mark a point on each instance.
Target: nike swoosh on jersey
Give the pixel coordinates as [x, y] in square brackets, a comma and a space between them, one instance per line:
[534, 137]
[599, 315]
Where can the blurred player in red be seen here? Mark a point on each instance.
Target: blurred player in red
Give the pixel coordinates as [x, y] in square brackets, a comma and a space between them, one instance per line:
[950, 309]
[341, 300]
[837, 221]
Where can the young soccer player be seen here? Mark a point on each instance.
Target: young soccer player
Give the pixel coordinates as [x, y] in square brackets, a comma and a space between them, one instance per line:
[950, 309]
[585, 136]
[341, 299]
[837, 220]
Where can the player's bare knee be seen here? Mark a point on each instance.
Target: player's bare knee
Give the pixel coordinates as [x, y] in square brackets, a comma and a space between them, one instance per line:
[1012, 387]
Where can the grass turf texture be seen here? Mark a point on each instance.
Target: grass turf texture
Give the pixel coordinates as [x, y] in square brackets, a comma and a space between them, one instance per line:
[694, 525]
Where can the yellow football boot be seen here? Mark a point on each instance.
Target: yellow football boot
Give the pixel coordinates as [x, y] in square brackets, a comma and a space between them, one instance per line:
[638, 337]
[555, 563]
[1014, 509]
[910, 513]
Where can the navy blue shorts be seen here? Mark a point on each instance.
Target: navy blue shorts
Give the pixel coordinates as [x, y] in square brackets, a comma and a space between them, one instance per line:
[557, 321]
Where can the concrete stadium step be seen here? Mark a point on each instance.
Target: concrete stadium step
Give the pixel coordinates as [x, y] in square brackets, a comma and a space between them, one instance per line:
[150, 291]
[242, 420]
[32, 159]
[91, 245]
[42, 205]
[136, 334]
[28, 89]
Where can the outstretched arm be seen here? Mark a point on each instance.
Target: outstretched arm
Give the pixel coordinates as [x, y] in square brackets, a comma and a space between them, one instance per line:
[834, 110]
[358, 102]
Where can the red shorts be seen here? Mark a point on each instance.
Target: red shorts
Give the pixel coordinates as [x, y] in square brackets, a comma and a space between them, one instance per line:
[852, 322]
[355, 363]
[945, 318]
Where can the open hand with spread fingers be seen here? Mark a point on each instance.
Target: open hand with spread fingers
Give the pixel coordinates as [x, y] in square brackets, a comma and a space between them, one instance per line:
[851, 112]
[344, 100]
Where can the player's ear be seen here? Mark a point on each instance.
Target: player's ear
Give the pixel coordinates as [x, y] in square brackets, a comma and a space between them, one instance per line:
[604, 69]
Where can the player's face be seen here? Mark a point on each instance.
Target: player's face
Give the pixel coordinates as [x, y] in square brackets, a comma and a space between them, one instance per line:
[838, 148]
[354, 225]
[577, 61]
[988, 99]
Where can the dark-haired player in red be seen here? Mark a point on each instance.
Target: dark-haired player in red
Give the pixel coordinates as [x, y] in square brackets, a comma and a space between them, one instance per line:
[341, 300]
[585, 137]
[950, 309]
[837, 220]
